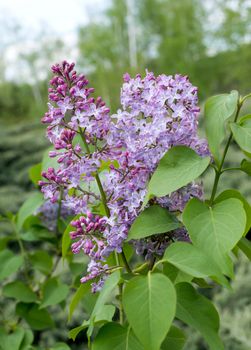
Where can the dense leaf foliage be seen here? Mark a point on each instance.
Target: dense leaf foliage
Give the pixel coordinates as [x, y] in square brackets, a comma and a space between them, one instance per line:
[121, 189]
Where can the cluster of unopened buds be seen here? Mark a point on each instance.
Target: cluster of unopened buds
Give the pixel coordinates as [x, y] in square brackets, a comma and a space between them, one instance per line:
[156, 114]
[89, 234]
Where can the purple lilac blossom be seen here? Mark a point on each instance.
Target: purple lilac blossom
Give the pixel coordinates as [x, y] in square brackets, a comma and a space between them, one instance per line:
[157, 113]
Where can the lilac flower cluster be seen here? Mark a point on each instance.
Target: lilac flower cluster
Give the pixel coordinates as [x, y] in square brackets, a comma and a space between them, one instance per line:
[157, 113]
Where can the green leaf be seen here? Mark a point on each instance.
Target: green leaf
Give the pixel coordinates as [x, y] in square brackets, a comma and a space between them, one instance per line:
[35, 173]
[28, 208]
[9, 263]
[48, 162]
[27, 340]
[175, 339]
[104, 295]
[36, 318]
[242, 134]
[53, 292]
[231, 193]
[79, 294]
[66, 239]
[217, 110]
[198, 312]
[179, 166]
[114, 336]
[105, 314]
[36, 233]
[60, 346]
[192, 260]
[152, 220]
[14, 340]
[149, 303]
[245, 246]
[217, 229]
[20, 291]
[246, 166]
[41, 261]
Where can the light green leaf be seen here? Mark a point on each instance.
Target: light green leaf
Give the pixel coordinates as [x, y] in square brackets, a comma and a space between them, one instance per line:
[242, 134]
[149, 303]
[114, 336]
[48, 162]
[36, 318]
[217, 110]
[104, 295]
[175, 339]
[20, 291]
[105, 314]
[245, 246]
[198, 312]
[53, 292]
[13, 341]
[192, 260]
[35, 173]
[66, 239]
[41, 261]
[79, 294]
[179, 166]
[231, 193]
[217, 229]
[28, 208]
[152, 220]
[9, 263]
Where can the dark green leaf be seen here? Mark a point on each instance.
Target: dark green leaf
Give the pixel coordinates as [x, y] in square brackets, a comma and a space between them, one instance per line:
[198, 312]
[175, 339]
[41, 261]
[153, 220]
[149, 303]
[36, 318]
[53, 292]
[60, 346]
[20, 291]
[27, 340]
[246, 166]
[245, 246]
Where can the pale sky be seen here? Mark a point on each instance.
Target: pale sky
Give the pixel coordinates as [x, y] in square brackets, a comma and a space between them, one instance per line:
[55, 18]
[62, 16]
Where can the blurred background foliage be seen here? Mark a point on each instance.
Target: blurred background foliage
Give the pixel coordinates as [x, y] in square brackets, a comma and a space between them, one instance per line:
[210, 41]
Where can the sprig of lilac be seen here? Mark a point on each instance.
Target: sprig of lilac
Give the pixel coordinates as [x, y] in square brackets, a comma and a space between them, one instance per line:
[157, 113]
